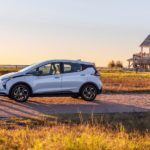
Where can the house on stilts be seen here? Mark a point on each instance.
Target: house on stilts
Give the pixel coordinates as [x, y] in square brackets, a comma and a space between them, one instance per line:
[141, 61]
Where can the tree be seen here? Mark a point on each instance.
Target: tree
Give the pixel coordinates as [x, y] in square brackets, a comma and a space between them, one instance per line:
[119, 64]
[111, 64]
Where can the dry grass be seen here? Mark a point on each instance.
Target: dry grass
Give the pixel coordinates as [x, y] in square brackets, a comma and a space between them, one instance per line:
[82, 131]
[126, 84]
[121, 81]
[72, 138]
[7, 70]
[66, 132]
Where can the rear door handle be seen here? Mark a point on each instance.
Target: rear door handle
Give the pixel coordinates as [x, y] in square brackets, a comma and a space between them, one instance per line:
[57, 77]
[82, 75]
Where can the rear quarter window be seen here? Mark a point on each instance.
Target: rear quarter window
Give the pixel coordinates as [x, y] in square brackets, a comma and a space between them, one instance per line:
[84, 67]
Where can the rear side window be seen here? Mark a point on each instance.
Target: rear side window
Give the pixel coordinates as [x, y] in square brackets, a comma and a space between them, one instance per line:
[67, 68]
[71, 67]
[76, 67]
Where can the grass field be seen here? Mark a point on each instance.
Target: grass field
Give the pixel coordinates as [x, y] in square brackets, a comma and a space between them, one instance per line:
[125, 81]
[82, 131]
[7, 70]
[77, 132]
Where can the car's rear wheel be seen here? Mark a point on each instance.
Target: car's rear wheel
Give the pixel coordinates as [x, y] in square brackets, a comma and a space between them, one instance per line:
[89, 92]
[20, 93]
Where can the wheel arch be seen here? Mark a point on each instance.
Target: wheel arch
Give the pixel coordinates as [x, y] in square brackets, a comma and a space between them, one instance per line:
[87, 83]
[23, 83]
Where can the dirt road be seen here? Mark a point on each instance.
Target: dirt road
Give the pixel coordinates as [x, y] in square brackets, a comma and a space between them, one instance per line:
[105, 103]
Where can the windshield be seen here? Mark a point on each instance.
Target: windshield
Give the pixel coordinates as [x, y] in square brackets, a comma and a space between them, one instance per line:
[28, 67]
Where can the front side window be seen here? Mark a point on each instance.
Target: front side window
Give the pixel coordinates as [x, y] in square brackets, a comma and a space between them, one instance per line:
[71, 67]
[48, 69]
[44, 70]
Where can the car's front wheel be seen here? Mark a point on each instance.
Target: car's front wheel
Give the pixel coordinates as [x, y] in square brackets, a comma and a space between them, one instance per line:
[20, 93]
[89, 92]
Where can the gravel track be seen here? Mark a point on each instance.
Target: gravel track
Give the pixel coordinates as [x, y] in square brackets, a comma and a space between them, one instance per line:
[105, 103]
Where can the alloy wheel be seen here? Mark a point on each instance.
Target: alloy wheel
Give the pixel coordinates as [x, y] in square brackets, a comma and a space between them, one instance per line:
[20, 93]
[89, 92]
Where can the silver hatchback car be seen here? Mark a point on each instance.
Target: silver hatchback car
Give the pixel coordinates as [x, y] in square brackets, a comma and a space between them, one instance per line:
[73, 78]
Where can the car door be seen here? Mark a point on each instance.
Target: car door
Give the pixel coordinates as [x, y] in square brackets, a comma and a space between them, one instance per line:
[72, 77]
[47, 79]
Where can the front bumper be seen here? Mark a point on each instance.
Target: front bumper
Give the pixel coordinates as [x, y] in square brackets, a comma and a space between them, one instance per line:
[3, 94]
[2, 90]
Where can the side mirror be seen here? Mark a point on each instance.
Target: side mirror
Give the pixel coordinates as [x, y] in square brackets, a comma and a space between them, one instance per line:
[37, 73]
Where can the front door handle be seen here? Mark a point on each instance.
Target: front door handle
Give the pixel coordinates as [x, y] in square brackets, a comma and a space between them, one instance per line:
[57, 77]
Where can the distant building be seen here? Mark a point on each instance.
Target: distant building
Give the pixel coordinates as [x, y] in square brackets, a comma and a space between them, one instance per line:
[141, 60]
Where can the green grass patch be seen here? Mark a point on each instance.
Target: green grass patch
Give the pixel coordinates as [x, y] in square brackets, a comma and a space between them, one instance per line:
[125, 74]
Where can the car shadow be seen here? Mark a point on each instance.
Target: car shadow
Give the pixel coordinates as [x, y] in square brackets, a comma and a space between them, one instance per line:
[10, 108]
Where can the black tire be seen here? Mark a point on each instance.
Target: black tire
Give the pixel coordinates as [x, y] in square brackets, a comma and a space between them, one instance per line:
[76, 96]
[89, 92]
[9, 96]
[20, 93]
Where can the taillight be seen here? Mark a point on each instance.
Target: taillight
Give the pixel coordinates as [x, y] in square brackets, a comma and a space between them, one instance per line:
[97, 73]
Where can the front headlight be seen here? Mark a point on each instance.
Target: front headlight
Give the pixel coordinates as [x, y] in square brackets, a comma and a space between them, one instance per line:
[4, 81]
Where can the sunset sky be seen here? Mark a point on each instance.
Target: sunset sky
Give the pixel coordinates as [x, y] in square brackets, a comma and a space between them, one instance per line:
[91, 30]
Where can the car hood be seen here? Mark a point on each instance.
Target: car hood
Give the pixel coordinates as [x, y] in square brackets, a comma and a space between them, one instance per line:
[11, 75]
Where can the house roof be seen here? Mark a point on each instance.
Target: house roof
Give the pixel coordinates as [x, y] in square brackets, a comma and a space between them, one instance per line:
[146, 42]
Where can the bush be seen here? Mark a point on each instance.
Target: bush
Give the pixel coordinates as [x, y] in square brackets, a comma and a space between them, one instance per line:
[111, 64]
[119, 64]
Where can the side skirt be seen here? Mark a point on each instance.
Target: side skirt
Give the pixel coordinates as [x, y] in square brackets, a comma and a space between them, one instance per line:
[55, 94]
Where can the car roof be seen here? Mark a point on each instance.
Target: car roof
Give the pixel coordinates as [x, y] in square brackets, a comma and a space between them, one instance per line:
[71, 61]
[51, 61]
